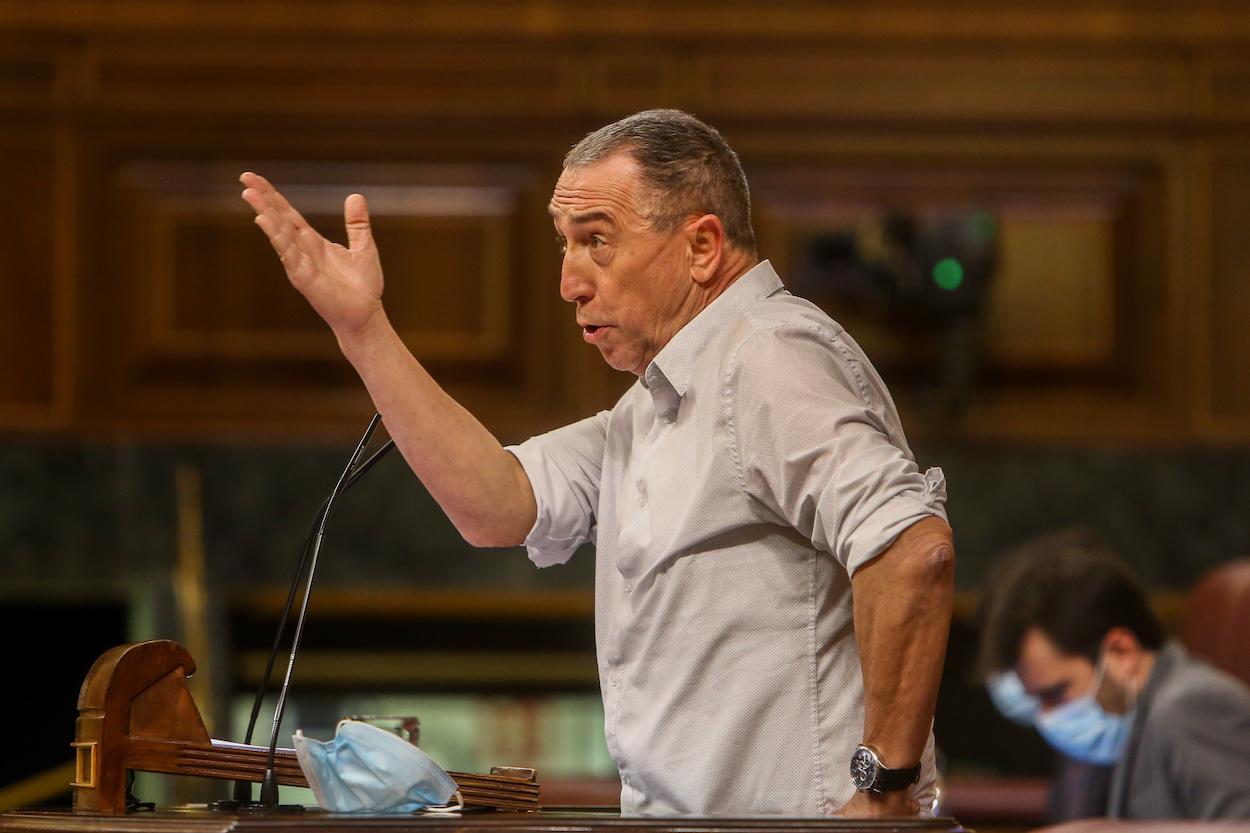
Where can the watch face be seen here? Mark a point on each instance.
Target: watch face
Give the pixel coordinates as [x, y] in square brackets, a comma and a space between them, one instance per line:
[864, 768]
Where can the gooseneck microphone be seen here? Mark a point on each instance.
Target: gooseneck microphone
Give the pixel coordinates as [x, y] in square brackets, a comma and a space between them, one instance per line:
[243, 789]
[295, 584]
[308, 562]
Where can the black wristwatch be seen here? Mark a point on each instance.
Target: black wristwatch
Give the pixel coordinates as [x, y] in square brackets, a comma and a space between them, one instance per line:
[870, 775]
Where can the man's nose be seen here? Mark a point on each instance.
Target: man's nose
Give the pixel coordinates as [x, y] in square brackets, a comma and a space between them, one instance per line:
[575, 287]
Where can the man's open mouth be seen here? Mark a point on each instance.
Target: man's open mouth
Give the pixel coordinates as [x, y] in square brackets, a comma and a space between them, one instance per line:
[590, 329]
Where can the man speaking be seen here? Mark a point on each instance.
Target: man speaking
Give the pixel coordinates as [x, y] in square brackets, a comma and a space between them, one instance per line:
[774, 575]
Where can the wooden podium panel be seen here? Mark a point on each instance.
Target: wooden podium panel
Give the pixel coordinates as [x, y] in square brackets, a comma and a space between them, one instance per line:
[136, 713]
[194, 820]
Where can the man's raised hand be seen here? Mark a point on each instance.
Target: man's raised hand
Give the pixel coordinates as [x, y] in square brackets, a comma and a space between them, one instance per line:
[343, 284]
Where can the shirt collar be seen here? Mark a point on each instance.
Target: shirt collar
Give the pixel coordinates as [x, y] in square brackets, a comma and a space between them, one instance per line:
[668, 376]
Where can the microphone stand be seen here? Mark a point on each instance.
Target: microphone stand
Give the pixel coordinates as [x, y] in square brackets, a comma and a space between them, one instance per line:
[243, 789]
[308, 560]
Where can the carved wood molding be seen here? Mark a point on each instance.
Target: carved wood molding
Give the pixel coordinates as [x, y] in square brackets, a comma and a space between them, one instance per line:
[150, 105]
[1085, 21]
[856, 83]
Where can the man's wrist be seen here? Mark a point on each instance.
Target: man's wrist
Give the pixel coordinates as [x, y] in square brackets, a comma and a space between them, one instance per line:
[896, 803]
[358, 344]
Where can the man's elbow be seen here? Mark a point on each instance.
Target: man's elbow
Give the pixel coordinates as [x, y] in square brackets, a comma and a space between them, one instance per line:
[931, 553]
[938, 562]
[484, 537]
[505, 522]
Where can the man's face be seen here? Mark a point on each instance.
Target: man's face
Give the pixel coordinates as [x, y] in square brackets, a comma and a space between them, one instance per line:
[1056, 678]
[632, 286]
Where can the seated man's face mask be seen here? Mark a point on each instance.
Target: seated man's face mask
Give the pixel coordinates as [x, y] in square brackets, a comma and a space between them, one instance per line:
[1010, 698]
[366, 769]
[1084, 730]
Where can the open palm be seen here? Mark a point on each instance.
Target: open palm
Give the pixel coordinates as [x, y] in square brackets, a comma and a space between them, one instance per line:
[342, 283]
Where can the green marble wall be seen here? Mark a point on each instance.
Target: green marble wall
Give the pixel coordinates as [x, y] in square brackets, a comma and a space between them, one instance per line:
[90, 524]
[97, 518]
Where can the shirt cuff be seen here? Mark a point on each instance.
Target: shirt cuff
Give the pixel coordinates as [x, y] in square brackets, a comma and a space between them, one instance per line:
[894, 516]
[544, 548]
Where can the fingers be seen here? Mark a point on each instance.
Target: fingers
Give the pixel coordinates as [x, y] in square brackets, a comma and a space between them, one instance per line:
[865, 805]
[260, 194]
[284, 226]
[300, 267]
[280, 237]
[274, 198]
[356, 217]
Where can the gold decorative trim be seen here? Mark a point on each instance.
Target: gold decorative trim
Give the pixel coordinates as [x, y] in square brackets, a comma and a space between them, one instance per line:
[85, 761]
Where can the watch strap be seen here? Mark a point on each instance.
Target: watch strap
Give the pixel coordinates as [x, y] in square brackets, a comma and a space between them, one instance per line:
[892, 780]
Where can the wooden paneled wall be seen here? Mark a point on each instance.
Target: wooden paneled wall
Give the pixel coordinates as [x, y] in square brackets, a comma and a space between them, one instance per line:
[1111, 140]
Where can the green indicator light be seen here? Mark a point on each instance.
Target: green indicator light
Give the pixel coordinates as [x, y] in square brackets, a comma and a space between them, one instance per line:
[948, 274]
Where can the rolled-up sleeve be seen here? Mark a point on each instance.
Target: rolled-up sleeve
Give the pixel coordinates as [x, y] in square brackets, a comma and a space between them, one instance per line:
[821, 447]
[563, 467]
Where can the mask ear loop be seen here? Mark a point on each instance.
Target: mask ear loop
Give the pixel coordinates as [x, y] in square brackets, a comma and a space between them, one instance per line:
[447, 808]
[1100, 674]
[1132, 704]
[1131, 688]
[1100, 677]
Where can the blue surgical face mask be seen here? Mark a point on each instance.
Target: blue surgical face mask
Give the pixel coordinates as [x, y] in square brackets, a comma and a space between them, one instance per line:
[1010, 698]
[366, 769]
[1083, 730]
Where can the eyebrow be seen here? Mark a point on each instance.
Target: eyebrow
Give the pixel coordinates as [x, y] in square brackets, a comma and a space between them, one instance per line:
[588, 217]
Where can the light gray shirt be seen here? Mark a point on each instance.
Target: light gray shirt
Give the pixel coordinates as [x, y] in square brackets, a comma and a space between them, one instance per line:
[730, 494]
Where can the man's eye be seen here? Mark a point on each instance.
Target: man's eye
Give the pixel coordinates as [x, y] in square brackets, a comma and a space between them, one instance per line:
[597, 240]
[1052, 696]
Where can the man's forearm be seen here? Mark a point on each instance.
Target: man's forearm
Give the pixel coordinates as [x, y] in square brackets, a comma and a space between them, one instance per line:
[481, 487]
[902, 602]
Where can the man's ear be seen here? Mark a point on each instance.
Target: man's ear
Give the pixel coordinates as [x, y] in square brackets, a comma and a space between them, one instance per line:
[1122, 650]
[706, 237]
[1120, 641]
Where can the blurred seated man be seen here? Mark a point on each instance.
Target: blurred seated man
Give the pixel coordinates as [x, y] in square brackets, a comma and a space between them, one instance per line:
[1070, 644]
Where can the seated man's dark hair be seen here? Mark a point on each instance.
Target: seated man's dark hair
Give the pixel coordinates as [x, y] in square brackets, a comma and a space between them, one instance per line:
[1072, 589]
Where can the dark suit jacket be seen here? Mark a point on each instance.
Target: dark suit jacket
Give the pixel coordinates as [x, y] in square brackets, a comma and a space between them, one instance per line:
[1188, 755]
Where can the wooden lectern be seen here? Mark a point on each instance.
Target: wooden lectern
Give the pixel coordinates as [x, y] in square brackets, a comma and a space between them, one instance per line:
[135, 712]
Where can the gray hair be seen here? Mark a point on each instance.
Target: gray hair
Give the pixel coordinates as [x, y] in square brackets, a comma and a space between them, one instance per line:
[689, 167]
